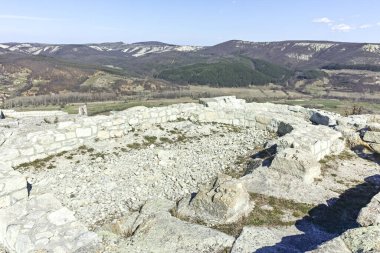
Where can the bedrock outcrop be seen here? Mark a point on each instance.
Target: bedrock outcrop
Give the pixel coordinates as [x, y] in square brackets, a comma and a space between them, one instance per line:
[149, 179]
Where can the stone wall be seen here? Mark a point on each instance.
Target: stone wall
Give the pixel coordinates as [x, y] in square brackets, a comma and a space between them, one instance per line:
[17, 115]
[69, 135]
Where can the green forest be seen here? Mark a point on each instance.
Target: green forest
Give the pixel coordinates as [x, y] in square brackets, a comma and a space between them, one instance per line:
[228, 74]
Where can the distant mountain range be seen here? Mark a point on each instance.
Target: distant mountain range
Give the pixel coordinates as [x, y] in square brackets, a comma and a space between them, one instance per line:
[34, 68]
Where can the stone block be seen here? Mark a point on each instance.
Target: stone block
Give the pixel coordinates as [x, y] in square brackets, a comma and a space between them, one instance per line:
[83, 132]
[103, 134]
[225, 203]
[297, 163]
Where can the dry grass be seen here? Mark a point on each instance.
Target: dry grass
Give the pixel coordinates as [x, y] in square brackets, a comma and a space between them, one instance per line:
[265, 217]
[38, 164]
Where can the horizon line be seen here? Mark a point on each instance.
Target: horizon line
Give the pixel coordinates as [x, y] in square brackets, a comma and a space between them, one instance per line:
[173, 44]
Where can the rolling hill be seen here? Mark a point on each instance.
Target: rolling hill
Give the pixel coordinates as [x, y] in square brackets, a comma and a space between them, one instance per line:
[37, 69]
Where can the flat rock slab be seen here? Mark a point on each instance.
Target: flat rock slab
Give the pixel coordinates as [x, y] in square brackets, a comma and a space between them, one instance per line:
[279, 239]
[371, 136]
[12, 186]
[370, 215]
[41, 223]
[358, 240]
[269, 182]
[165, 233]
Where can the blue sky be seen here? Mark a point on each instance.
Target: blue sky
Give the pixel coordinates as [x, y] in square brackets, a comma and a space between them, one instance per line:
[188, 22]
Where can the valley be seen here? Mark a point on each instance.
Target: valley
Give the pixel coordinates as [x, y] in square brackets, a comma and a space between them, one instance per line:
[59, 75]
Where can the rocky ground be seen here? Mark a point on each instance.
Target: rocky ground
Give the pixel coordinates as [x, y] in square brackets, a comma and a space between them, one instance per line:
[106, 179]
[106, 182]
[293, 180]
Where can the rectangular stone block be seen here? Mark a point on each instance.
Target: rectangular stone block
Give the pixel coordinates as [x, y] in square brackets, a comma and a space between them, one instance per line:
[59, 137]
[46, 139]
[70, 135]
[103, 134]
[83, 132]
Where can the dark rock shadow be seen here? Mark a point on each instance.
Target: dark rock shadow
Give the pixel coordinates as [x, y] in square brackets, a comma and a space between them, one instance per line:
[364, 153]
[261, 158]
[327, 221]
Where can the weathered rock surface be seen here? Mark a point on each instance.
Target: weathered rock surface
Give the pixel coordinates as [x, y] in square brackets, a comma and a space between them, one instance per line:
[12, 186]
[358, 240]
[253, 239]
[41, 223]
[279, 239]
[155, 230]
[375, 147]
[226, 202]
[152, 157]
[297, 163]
[164, 233]
[371, 136]
[269, 182]
[370, 215]
[336, 245]
[227, 101]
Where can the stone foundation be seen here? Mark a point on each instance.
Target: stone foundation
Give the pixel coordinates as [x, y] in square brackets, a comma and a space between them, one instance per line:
[42, 223]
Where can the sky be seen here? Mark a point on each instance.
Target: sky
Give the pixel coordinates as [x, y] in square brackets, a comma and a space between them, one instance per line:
[188, 22]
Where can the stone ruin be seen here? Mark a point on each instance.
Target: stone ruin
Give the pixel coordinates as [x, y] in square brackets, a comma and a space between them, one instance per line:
[302, 139]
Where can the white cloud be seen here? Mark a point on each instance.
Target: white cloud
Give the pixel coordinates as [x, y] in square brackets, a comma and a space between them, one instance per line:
[25, 18]
[365, 26]
[378, 24]
[342, 28]
[323, 20]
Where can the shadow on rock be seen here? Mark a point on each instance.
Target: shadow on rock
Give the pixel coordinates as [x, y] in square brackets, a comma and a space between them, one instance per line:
[325, 222]
[364, 153]
[261, 158]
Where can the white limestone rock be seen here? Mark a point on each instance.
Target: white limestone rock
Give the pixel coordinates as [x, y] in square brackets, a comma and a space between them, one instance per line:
[252, 239]
[371, 136]
[375, 147]
[12, 186]
[163, 233]
[358, 240]
[335, 245]
[226, 101]
[61, 216]
[264, 180]
[297, 163]
[370, 215]
[41, 223]
[224, 203]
